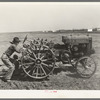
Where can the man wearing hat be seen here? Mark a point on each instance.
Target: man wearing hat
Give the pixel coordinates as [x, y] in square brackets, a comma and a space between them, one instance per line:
[6, 56]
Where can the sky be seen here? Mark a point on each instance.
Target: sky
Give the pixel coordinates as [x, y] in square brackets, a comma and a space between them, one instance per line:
[21, 17]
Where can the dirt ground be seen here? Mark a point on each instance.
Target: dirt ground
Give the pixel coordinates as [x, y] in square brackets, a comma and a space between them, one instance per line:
[60, 79]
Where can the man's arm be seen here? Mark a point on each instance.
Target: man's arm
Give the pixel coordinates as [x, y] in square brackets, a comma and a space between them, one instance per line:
[18, 49]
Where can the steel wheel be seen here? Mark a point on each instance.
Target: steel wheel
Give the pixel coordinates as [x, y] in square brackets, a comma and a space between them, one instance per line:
[86, 66]
[38, 61]
[65, 57]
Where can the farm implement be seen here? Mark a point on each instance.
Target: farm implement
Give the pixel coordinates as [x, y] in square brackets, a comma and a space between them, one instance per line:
[40, 57]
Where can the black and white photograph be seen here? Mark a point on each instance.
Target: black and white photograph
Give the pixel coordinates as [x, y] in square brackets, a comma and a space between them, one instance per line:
[49, 46]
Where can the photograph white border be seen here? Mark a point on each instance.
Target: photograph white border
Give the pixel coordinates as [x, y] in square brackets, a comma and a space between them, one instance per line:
[50, 93]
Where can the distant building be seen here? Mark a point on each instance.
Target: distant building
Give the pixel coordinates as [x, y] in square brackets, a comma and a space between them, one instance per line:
[90, 30]
[98, 29]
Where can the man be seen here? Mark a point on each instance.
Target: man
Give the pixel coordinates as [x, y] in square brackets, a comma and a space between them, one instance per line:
[14, 47]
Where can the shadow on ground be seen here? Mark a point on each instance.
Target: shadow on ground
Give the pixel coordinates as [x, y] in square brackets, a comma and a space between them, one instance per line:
[21, 76]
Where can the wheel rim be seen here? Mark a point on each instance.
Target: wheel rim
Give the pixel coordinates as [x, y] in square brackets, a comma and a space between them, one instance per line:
[65, 57]
[38, 62]
[86, 66]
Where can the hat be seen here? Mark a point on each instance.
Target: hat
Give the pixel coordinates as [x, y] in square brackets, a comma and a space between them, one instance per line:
[15, 40]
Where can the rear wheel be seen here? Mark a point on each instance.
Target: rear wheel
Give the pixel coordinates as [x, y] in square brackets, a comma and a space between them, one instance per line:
[38, 61]
[86, 66]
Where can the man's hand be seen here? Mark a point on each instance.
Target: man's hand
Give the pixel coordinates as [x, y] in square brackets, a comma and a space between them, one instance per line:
[21, 50]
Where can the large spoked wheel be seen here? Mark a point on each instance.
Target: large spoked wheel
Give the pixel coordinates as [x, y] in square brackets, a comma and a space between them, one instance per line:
[38, 61]
[86, 67]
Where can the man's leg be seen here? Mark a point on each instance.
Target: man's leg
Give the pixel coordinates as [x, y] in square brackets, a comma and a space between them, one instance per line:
[9, 73]
[11, 67]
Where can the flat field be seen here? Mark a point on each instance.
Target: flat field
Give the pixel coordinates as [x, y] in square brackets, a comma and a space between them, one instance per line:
[62, 80]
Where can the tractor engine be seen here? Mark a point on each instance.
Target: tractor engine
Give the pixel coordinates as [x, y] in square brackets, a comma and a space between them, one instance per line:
[78, 50]
[79, 45]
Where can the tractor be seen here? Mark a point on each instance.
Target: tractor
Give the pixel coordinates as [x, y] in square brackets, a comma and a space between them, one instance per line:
[40, 56]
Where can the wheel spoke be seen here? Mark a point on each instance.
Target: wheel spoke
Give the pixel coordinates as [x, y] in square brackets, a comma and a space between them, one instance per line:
[82, 63]
[43, 69]
[36, 48]
[33, 71]
[29, 52]
[47, 68]
[26, 67]
[39, 54]
[40, 48]
[83, 71]
[37, 72]
[90, 70]
[40, 72]
[34, 55]
[29, 71]
[31, 58]
[46, 60]
[90, 60]
[32, 48]
[45, 64]
[88, 63]
[27, 63]
[42, 57]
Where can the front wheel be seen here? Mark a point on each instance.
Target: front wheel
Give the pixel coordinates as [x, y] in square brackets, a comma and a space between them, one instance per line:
[86, 67]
